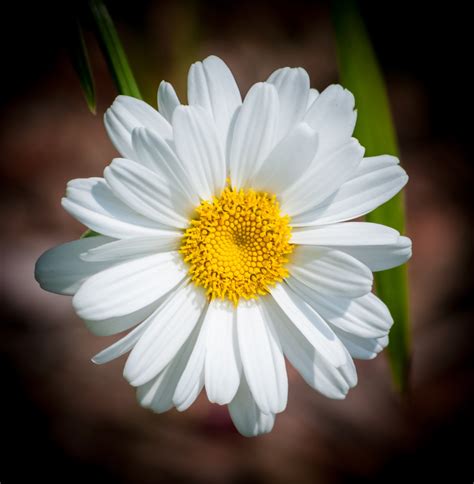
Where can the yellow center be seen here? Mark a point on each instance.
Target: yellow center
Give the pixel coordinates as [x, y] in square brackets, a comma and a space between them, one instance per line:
[238, 245]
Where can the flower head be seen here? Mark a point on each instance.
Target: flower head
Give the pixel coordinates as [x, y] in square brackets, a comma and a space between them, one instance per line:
[238, 246]
[225, 244]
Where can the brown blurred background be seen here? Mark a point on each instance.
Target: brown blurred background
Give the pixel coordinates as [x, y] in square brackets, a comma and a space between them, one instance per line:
[66, 420]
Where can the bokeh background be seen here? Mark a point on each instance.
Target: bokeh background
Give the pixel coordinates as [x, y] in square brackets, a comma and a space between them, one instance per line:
[65, 420]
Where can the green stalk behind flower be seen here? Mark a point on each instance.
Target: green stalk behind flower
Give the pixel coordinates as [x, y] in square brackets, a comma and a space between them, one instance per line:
[360, 73]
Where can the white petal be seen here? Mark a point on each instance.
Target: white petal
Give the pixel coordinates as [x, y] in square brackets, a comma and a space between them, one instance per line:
[376, 180]
[332, 115]
[330, 272]
[124, 249]
[253, 133]
[117, 324]
[123, 345]
[366, 316]
[325, 176]
[212, 86]
[346, 235]
[262, 359]
[167, 100]
[310, 324]
[172, 325]
[159, 156]
[332, 381]
[382, 257]
[127, 113]
[249, 420]
[129, 286]
[191, 381]
[362, 348]
[292, 85]
[288, 161]
[377, 246]
[61, 269]
[158, 393]
[199, 149]
[313, 94]
[92, 202]
[147, 193]
[222, 365]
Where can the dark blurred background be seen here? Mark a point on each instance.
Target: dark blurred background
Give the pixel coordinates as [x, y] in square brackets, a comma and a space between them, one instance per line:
[66, 420]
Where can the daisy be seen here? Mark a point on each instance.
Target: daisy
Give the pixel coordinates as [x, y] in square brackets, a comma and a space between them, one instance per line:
[225, 244]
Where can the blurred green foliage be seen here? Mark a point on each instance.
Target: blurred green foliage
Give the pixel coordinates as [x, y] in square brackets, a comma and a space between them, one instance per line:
[360, 73]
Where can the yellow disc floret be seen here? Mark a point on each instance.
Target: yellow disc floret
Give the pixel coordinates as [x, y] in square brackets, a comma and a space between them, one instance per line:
[238, 245]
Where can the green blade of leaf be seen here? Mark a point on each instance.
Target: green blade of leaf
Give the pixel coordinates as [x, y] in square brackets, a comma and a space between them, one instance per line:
[116, 59]
[80, 61]
[360, 73]
[113, 50]
[89, 233]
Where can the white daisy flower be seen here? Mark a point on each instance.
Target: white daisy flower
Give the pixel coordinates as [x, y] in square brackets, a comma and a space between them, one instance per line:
[225, 244]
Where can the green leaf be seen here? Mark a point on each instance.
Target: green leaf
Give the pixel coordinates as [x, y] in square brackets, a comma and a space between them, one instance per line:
[360, 73]
[89, 233]
[81, 64]
[116, 59]
[113, 50]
